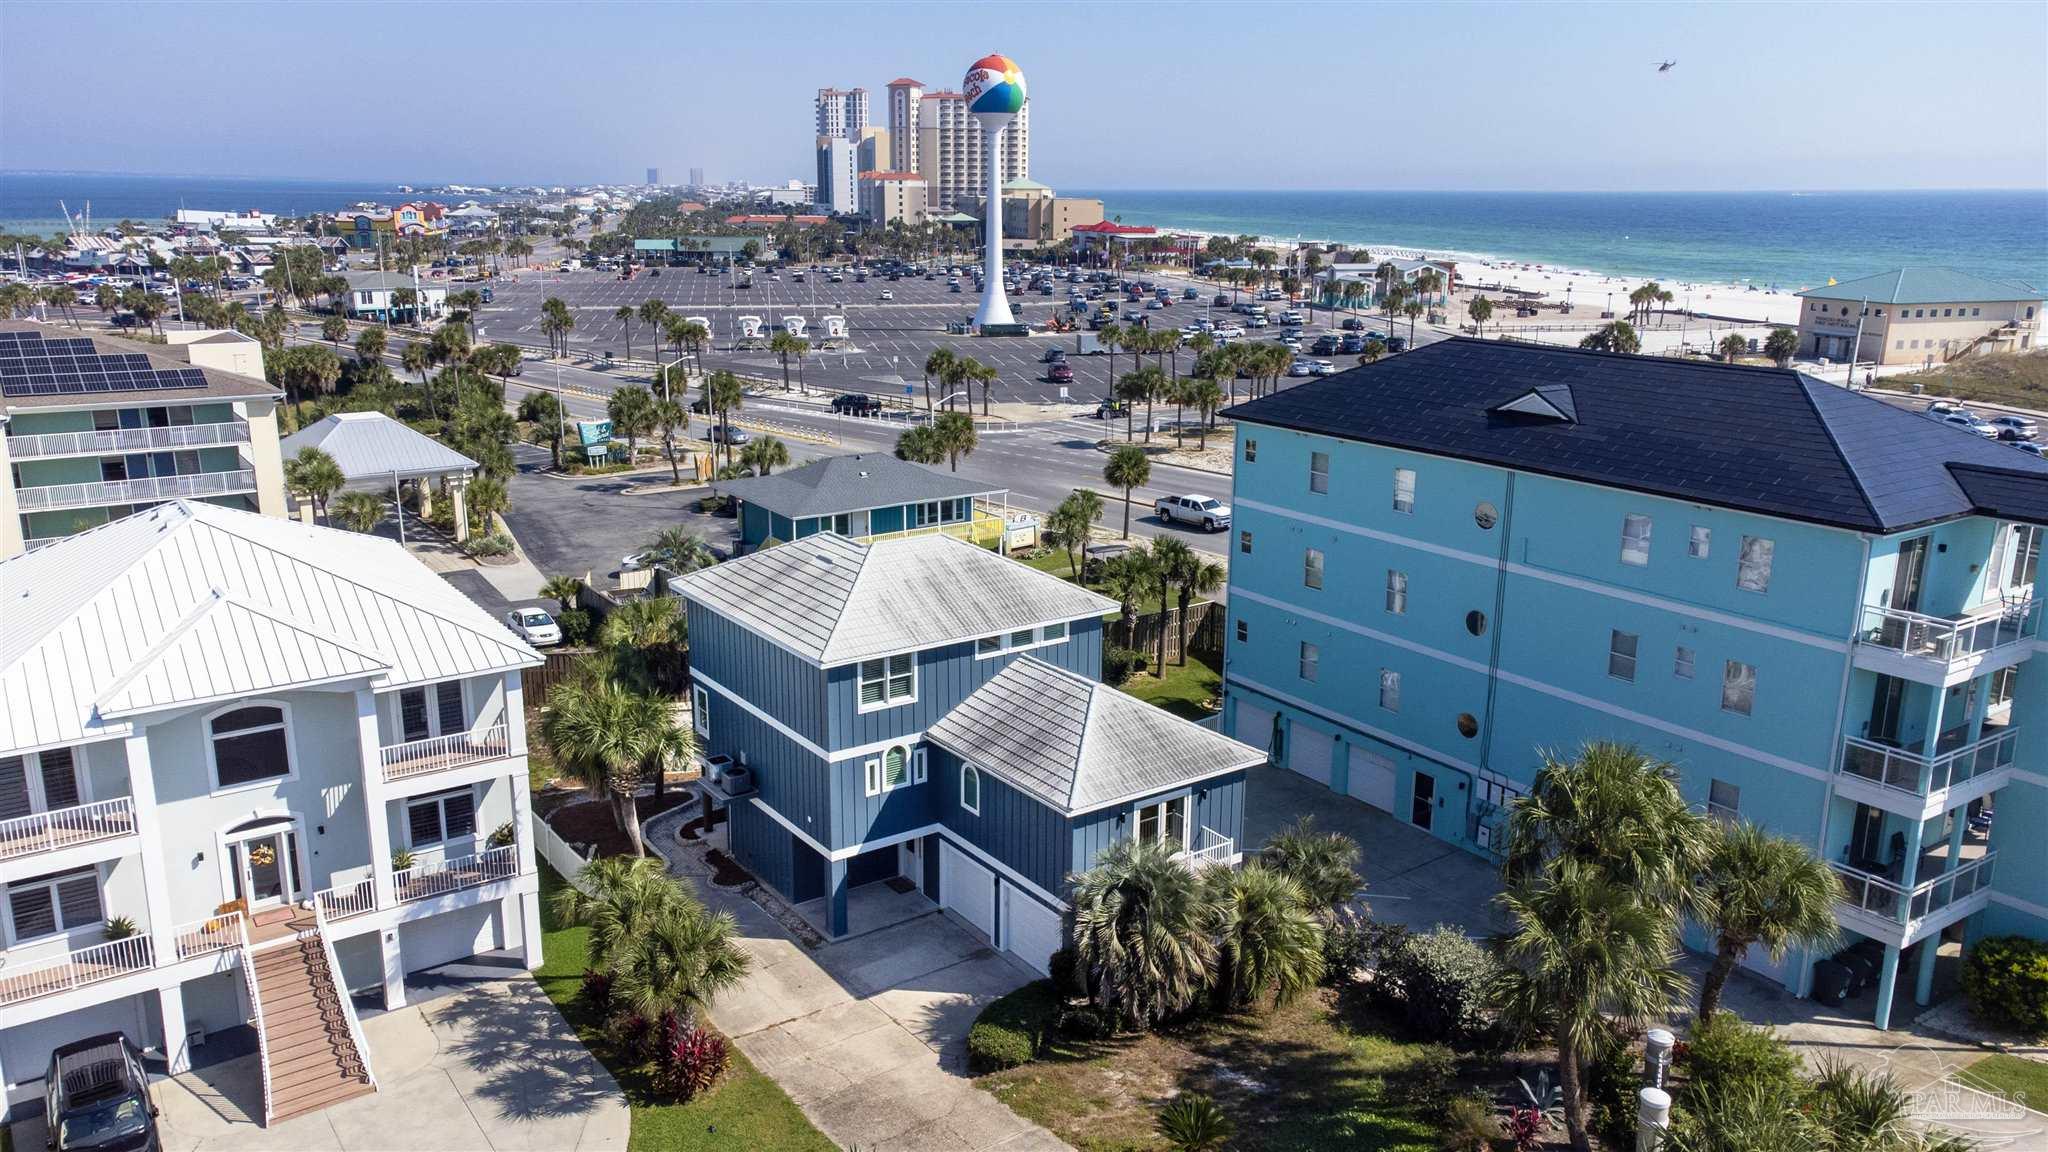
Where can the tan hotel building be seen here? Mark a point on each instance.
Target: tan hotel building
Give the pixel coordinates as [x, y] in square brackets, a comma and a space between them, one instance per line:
[1918, 316]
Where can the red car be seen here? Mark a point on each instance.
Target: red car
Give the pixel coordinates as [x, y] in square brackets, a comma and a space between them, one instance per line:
[1061, 373]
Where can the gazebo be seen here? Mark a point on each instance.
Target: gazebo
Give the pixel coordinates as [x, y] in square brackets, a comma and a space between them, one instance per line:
[376, 452]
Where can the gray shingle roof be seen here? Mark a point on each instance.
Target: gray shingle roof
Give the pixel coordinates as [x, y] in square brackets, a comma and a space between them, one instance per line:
[372, 446]
[833, 601]
[1925, 286]
[220, 384]
[1076, 744]
[1763, 440]
[848, 484]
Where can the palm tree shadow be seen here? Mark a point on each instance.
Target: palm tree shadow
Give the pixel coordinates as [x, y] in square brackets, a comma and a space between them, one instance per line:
[529, 1061]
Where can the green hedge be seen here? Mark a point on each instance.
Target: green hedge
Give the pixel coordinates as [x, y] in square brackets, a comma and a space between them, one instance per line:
[2006, 980]
[1009, 1031]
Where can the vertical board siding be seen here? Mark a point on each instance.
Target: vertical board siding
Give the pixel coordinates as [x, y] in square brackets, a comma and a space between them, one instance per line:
[790, 779]
[1012, 827]
[858, 817]
[761, 846]
[946, 675]
[1221, 808]
[773, 679]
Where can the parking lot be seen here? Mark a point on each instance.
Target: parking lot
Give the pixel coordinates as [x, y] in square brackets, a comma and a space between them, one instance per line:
[887, 342]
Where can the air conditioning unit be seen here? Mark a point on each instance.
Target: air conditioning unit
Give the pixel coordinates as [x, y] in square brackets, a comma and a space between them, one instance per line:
[728, 777]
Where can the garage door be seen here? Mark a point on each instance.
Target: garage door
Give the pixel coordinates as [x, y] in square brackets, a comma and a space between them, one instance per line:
[1309, 753]
[1031, 931]
[449, 936]
[1372, 779]
[1254, 725]
[967, 888]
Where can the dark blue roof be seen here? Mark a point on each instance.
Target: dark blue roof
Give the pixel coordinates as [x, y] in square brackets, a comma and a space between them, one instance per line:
[1765, 440]
[2003, 492]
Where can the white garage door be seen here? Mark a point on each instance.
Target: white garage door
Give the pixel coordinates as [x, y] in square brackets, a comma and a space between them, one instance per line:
[449, 936]
[1254, 725]
[967, 888]
[1309, 753]
[1372, 779]
[1031, 931]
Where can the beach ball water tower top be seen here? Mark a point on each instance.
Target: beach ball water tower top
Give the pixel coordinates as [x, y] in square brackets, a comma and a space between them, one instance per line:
[994, 88]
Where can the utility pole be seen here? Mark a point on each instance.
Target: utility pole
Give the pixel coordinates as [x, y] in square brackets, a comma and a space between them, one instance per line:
[1861, 311]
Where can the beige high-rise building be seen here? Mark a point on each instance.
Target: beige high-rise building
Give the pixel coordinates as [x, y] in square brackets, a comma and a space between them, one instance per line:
[904, 94]
[950, 151]
[872, 149]
[887, 197]
[842, 113]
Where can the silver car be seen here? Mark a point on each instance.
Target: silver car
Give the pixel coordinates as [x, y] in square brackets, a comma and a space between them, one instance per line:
[2011, 427]
[534, 626]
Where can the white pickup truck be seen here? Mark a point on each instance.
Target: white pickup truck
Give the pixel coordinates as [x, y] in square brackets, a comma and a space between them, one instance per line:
[1206, 512]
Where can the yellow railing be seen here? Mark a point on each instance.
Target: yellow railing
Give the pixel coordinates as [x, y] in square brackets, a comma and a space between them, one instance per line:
[985, 529]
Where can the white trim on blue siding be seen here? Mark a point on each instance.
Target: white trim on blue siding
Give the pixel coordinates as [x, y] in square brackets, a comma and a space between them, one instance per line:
[1517, 568]
[807, 745]
[2012, 901]
[1007, 872]
[1355, 725]
[1187, 785]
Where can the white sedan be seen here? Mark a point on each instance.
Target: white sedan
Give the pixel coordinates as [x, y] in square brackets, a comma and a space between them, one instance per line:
[534, 626]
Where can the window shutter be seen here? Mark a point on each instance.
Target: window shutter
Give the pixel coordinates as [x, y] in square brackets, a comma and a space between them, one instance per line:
[60, 779]
[79, 898]
[918, 767]
[412, 713]
[448, 702]
[13, 788]
[34, 915]
[425, 822]
[460, 809]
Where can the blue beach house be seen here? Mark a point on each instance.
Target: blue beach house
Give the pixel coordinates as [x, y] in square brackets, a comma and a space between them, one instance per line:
[1819, 606]
[921, 709]
[868, 496]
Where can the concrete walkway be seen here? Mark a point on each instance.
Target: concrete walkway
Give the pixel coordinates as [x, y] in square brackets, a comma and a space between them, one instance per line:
[867, 1034]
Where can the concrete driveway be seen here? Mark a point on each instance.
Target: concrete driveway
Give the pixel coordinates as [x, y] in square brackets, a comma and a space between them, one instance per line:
[489, 1069]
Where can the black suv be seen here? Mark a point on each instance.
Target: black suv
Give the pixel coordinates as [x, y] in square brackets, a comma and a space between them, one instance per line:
[857, 404]
[95, 1096]
[1324, 346]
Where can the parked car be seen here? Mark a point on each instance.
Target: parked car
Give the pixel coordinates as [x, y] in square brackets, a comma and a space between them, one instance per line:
[1969, 423]
[1061, 372]
[539, 629]
[726, 434]
[1301, 368]
[2014, 427]
[888, 295]
[2030, 448]
[1053, 355]
[1190, 294]
[1396, 343]
[1206, 512]
[1321, 368]
[1352, 324]
[1222, 300]
[96, 1096]
[857, 404]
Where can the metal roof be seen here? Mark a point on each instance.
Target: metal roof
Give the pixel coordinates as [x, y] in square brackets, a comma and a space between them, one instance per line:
[379, 281]
[848, 484]
[1077, 744]
[189, 603]
[1926, 285]
[833, 601]
[1765, 440]
[372, 446]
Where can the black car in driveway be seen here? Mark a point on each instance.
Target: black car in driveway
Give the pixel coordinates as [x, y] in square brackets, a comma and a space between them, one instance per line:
[96, 1096]
[857, 404]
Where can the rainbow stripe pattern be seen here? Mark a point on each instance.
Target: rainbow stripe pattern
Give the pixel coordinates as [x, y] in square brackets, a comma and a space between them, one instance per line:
[994, 83]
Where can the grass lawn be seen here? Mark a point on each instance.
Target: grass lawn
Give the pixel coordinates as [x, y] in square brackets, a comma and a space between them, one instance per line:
[746, 1111]
[1055, 562]
[2024, 1080]
[1189, 690]
[2019, 379]
[1317, 1074]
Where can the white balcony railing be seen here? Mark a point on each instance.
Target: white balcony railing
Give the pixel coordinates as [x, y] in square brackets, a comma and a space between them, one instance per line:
[1917, 773]
[1945, 640]
[1209, 847]
[133, 491]
[75, 969]
[127, 440]
[345, 900]
[1880, 897]
[425, 881]
[440, 753]
[213, 934]
[64, 827]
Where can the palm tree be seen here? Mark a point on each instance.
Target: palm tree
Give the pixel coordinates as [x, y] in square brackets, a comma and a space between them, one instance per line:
[784, 344]
[765, 455]
[1139, 922]
[1127, 469]
[1374, 349]
[1139, 384]
[1614, 336]
[678, 551]
[1194, 577]
[1781, 345]
[314, 476]
[358, 511]
[722, 397]
[565, 591]
[1171, 557]
[1733, 347]
[653, 316]
[664, 951]
[1612, 808]
[1481, 310]
[1411, 308]
[1125, 578]
[1207, 397]
[617, 898]
[1762, 890]
[631, 409]
[936, 364]
[1267, 936]
[1068, 526]
[955, 435]
[370, 346]
[624, 315]
[334, 330]
[985, 375]
[1325, 864]
[920, 444]
[672, 417]
[1584, 954]
[602, 734]
[1111, 337]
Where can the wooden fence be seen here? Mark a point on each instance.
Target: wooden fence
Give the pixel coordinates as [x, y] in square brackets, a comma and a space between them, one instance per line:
[1205, 631]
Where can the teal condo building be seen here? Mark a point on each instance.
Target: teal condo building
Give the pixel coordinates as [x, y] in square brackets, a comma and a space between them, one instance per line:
[1817, 605]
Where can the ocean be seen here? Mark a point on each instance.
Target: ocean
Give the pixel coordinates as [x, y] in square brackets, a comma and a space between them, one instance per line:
[1788, 240]
[28, 201]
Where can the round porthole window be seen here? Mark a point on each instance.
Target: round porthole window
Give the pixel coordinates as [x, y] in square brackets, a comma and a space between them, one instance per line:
[1475, 622]
[1486, 515]
[1468, 725]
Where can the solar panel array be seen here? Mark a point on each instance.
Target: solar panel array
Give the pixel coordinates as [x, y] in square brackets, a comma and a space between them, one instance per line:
[33, 366]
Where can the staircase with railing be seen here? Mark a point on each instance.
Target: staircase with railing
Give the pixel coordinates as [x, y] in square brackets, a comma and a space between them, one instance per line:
[314, 1055]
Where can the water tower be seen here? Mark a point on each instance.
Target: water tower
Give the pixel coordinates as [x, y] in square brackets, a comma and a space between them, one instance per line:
[994, 89]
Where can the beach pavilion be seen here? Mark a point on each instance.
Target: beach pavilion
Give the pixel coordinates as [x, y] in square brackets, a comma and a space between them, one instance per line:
[378, 453]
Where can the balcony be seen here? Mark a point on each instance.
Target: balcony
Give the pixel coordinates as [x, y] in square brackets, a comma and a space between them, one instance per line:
[127, 440]
[1941, 649]
[151, 488]
[1915, 779]
[441, 753]
[1878, 906]
[75, 969]
[65, 827]
[426, 881]
[1209, 848]
[345, 900]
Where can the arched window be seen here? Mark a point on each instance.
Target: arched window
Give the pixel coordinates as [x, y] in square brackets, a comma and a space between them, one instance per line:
[970, 788]
[249, 743]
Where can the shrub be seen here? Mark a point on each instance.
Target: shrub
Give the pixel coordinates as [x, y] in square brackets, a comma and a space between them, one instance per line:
[597, 991]
[1009, 1031]
[1728, 1058]
[575, 624]
[691, 1062]
[500, 836]
[1429, 1080]
[1067, 977]
[1612, 1078]
[1441, 979]
[633, 1036]
[1469, 1125]
[1120, 664]
[1193, 1123]
[1357, 944]
[1086, 1022]
[495, 544]
[119, 928]
[2006, 980]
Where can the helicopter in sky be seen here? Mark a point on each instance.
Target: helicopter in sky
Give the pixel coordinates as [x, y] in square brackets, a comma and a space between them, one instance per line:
[1667, 65]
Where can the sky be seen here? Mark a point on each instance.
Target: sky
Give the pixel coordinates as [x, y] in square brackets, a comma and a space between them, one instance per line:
[1124, 95]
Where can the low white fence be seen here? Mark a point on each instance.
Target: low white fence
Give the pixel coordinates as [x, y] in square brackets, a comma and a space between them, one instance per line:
[556, 851]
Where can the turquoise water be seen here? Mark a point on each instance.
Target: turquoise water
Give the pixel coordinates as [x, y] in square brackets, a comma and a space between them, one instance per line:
[1786, 239]
[28, 201]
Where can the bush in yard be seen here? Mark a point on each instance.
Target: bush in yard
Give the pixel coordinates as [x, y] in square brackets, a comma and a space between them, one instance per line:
[575, 624]
[1009, 1031]
[1086, 1023]
[691, 1062]
[1355, 944]
[1612, 1078]
[1428, 1082]
[1120, 664]
[1067, 978]
[1728, 1058]
[1193, 1123]
[597, 991]
[2006, 980]
[1442, 979]
[1469, 1125]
